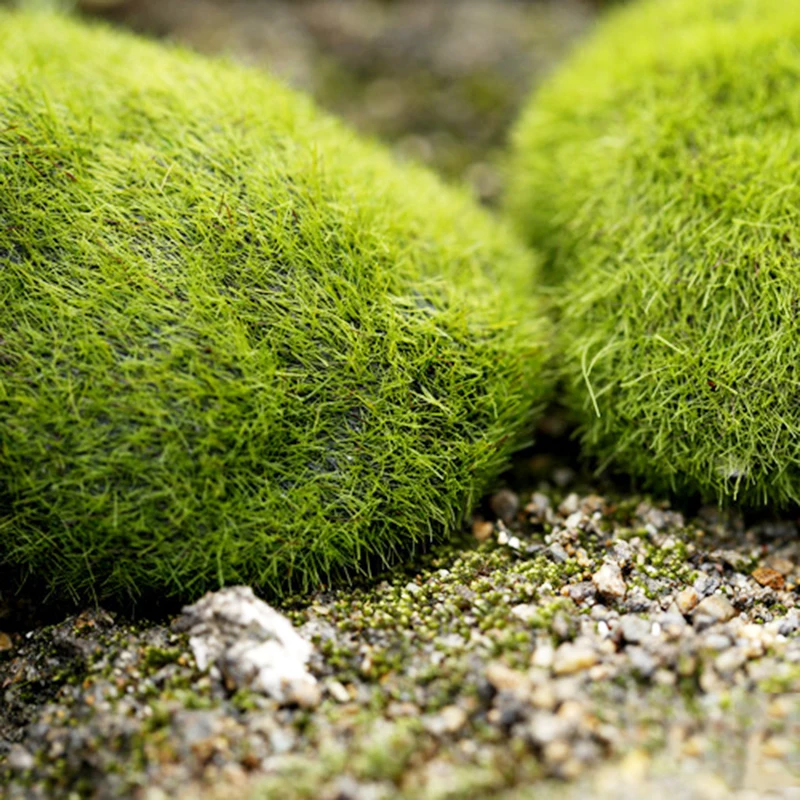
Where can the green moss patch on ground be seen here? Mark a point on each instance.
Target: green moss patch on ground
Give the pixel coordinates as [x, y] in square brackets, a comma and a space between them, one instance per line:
[659, 172]
[239, 344]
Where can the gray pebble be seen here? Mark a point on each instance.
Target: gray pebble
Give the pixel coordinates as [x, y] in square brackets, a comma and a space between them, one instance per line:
[633, 629]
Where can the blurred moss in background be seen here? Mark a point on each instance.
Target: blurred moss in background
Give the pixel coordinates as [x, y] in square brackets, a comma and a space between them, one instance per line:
[439, 79]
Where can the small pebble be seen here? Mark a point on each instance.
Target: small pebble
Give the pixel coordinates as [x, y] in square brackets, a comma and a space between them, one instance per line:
[543, 655]
[20, 759]
[641, 661]
[558, 553]
[573, 657]
[545, 728]
[569, 505]
[526, 611]
[633, 629]
[449, 720]
[338, 692]
[686, 600]
[482, 530]
[504, 679]
[731, 660]
[769, 577]
[505, 505]
[609, 582]
[716, 607]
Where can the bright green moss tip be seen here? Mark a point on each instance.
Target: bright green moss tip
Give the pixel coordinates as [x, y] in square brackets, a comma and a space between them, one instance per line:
[237, 344]
[660, 172]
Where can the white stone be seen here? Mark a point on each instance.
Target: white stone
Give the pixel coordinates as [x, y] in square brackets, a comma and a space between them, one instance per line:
[543, 655]
[525, 611]
[574, 520]
[251, 645]
[338, 691]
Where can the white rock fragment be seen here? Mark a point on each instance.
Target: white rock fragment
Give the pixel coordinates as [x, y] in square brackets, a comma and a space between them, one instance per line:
[543, 655]
[574, 520]
[539, 503]
[609, 582]
[570, 504]
[545, 728]
[634, 629]
[731, 660]
[338, 691]
[525, 611]
[20, 759]
[250, 645]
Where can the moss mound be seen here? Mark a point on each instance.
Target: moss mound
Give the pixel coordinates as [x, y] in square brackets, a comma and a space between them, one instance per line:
[660, 171]
[238, 344]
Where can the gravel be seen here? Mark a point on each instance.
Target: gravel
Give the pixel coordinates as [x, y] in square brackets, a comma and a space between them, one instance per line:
[477, 672]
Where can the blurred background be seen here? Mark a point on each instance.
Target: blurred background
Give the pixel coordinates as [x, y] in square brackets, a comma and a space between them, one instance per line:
[440, 80]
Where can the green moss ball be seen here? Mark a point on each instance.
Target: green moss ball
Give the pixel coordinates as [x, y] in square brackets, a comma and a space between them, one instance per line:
[660, 173]
[237, 343]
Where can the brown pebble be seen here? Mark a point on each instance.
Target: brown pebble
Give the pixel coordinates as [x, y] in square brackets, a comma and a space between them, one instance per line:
[5, 641]
[250, 761]
[769, 577]
[482, 530]
[686, 600]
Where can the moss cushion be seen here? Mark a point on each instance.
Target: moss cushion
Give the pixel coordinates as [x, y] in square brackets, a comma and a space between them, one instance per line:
[237, 344]
[660, 172]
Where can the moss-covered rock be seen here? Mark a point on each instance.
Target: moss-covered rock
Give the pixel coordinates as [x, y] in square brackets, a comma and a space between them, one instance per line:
[237, 343]
[660, 170]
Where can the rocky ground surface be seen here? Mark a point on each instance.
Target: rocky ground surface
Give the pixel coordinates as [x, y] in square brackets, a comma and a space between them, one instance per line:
[580, 640]
[573, 643]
